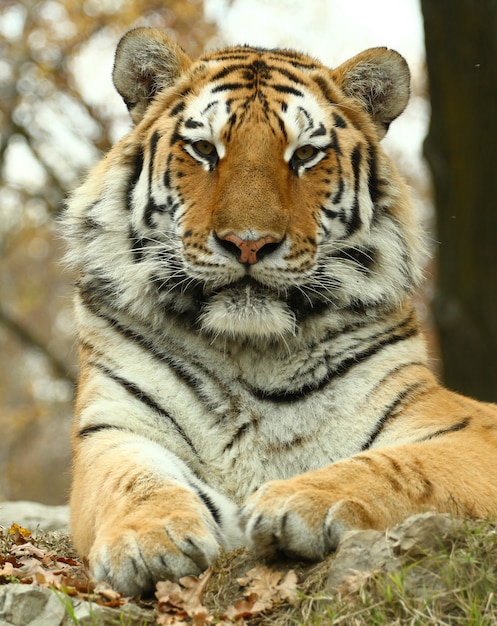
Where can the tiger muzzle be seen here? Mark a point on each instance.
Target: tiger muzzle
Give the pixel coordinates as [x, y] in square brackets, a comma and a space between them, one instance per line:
[249, 251]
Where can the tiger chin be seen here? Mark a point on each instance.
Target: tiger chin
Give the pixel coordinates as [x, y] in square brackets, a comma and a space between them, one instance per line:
[246, 313]
[252, 371]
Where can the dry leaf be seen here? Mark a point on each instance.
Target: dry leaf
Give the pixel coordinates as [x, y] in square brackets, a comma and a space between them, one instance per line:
[265, 583]
[353, 582]
[177, 602]
[19, 533]
[67, 561]
[263, 589]
[245, 608]
[106, 591]
[287, 589]
[7, 570]
[28, 549]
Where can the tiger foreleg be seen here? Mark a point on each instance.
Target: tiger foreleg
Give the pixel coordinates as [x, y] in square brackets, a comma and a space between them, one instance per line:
[305, 516]
[140, 515]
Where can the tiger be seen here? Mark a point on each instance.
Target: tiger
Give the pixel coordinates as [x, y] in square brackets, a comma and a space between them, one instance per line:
[252, 369]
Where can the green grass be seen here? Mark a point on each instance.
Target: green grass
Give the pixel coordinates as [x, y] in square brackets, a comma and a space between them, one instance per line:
[450, 586]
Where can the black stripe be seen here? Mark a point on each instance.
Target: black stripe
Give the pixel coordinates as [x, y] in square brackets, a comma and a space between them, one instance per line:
[226, 71]
[332, 215]
[238, 435]
[310, 121]
[207, 500]
[320, 131]
[178, 108]
[137, 245]
[334, 145]
[450, 429]
[141, 396]
[151, 205]
[392, 411]
[136, 169]
[229, 87]
[295, 59]
[339, 121]
[167, 171]
[364, 258]
[235, 55]
[153, 149]
[281, 125]
[405, 330]
[354, 223]
[341, 186]
[287, 89]
[373, 182]
[151, 208]
[191, 123]
[295, 78]
[97, 428]
[325, 89]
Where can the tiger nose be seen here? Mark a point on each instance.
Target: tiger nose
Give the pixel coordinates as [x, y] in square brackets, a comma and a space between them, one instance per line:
[249, 251]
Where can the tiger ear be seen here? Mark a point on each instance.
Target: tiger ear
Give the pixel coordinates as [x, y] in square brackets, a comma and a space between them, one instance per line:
[147, 61]
[379, 80]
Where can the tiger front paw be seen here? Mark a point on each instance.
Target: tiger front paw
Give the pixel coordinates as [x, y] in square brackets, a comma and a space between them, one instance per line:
[299, 520]
[142, 548]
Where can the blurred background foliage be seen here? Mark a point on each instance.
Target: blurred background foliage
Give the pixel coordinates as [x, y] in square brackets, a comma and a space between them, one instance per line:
[53, 126]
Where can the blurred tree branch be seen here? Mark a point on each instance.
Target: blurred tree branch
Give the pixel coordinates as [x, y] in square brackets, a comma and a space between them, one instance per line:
[33, 342]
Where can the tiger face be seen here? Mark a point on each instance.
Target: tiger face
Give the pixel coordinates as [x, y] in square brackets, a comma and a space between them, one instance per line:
[259, 193]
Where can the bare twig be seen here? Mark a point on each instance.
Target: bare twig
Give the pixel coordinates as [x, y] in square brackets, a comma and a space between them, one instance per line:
[32, 341]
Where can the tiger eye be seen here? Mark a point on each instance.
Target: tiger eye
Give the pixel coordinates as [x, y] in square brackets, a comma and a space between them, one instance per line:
[305, 153]
[204, 148]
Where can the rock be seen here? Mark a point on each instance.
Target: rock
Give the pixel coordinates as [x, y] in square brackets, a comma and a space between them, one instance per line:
[363, 552]
[28, 605]
[32, 515]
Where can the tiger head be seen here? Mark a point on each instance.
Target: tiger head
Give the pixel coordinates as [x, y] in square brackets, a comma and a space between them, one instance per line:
[251, 194]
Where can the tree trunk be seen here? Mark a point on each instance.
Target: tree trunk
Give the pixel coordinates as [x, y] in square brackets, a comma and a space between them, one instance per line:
[461, 148]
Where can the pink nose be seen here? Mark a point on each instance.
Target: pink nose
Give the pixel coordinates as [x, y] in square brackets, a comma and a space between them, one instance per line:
[249, 249]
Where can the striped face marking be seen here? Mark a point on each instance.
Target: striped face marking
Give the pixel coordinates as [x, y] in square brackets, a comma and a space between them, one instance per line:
[259, 179]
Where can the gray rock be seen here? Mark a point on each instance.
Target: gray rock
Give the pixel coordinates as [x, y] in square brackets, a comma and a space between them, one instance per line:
[367, 551]
[33, 516]
[27, 605]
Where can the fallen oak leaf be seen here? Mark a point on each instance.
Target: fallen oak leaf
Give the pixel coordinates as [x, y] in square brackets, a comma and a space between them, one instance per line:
[168, 594]
[107, 592]
[261, 580]
[245, 608]
[67, 561]
[184, 599]
[79, 581]
[193, 592]
[268, 586]
[49, 559]
[287, 588]
[7, 569]
[10, 559]
[28, 549]
[354, 582]
[104, 595]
